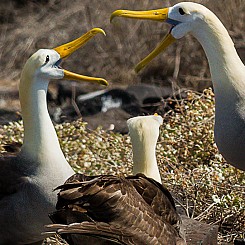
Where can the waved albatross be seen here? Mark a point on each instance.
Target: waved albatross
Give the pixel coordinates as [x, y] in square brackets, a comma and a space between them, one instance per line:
[27, 179]
[227, 69]
[120, 210]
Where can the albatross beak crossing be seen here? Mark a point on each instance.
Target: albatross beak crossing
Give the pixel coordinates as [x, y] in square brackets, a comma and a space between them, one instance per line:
[67, 49]
[158, 15]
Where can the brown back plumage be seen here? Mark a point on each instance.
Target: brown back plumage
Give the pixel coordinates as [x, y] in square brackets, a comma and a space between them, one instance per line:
[124, 210]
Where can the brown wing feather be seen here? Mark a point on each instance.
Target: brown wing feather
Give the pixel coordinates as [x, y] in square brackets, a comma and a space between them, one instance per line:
[114, 202]
[157, 196]
[99, 230]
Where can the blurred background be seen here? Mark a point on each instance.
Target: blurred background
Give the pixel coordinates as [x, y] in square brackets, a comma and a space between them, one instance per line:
[28, 25]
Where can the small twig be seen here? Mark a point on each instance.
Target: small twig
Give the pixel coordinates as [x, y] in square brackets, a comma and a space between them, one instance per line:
[182, 205]
[205, 211]
[73, 100]
[187, 207]
[99, 135]
[177, 62]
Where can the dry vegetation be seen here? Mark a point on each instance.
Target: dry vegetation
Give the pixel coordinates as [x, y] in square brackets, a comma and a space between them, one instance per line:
[191, 167]
[207, 187]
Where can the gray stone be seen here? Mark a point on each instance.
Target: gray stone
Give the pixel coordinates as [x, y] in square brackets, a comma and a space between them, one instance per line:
[199, 233]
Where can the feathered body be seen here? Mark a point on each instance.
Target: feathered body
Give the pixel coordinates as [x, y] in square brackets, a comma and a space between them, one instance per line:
[124, 210]
[28, 178]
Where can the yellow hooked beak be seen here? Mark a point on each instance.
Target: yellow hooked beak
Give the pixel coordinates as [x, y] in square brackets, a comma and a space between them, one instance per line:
[158, 15]
[67, 49]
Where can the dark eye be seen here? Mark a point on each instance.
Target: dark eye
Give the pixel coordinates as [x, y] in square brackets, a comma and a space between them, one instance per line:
[181, 11]
[47, 59]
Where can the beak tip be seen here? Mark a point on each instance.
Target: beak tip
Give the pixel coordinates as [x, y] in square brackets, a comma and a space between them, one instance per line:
[103, 82]
[98, 30]
[116, 14]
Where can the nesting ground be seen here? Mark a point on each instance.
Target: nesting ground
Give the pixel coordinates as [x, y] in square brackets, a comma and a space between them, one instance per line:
[205, 185]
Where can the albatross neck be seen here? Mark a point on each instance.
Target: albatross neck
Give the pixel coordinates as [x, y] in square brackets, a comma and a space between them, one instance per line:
[144, 158]
[227, 69]
[40, 137]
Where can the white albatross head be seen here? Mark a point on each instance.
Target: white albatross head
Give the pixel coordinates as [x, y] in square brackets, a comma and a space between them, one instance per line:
[184, 17]
[187, 17]
[45, 63]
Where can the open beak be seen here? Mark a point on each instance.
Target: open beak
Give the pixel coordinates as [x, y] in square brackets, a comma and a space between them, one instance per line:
[158, 15]
[67, 49]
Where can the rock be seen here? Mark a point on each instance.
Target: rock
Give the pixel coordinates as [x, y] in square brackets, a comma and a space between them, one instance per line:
[113, 119]
[239, 241]
[101, 101]
[97, 103]
[7, 116]
[153, 98]
[70, 101]
[197, 232]
[143, 92]
[135, 100]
